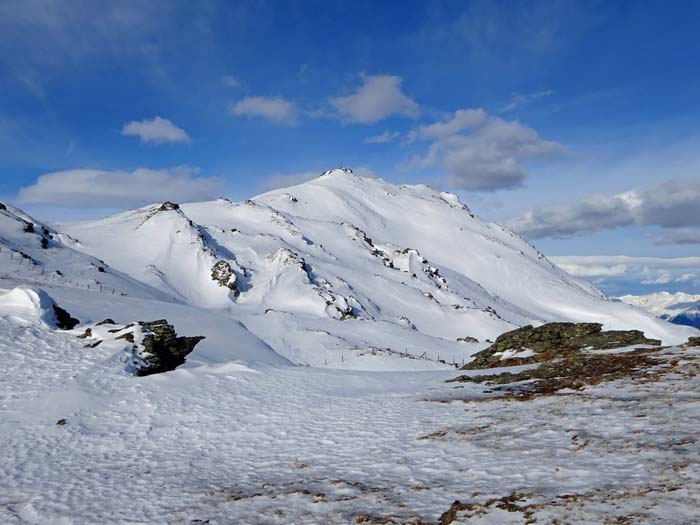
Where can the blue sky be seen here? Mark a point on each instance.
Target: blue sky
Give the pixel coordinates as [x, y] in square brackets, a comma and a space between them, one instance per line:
[575, 123]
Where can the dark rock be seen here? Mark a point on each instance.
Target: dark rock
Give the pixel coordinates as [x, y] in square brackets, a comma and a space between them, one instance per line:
[28, 227]
[106, 321]
[44, 243]
[555, 340]
[347, 313]
[86, 334]
[168, 206]
[129, 336]
[3, 207]
[163, 351]
[61, 422]
[452, 513]
[223, 274]
[468, 339]
[64, 321]
[693, 341]
[101, 269]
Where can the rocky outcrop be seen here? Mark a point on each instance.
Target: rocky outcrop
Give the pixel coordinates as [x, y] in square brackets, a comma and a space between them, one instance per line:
[160, 350]
[693, 341]
[64, 320]
[553, 340]
[467, 339]
[168, 206]
[223, 274]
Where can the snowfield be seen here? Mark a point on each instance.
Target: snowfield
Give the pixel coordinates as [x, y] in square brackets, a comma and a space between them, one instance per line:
[333, 313]
[287, 445]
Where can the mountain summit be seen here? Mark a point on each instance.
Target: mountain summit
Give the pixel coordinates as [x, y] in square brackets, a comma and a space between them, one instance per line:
[351, 262]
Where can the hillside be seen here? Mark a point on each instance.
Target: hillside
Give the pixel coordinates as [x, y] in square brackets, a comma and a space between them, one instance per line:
[343, 266]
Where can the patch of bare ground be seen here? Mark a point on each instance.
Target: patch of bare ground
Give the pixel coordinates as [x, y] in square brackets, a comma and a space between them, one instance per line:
[607, 507]
[572, 373]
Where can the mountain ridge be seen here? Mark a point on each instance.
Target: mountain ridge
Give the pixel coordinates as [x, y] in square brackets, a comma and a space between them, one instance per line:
[357, 249]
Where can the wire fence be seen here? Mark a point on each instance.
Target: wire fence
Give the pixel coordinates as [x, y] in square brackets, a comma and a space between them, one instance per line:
[38, 273]
[373, 351]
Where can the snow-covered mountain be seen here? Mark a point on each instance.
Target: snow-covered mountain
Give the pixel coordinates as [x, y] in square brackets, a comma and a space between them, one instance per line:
[679, 308]
[31, 252]
[349, 265]
[381, 289]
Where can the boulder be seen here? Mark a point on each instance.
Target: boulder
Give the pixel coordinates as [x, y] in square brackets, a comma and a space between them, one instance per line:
[223, 274]
[161, 350]
[553, 340]
[693, 341]
[64, 321]
[168, 206]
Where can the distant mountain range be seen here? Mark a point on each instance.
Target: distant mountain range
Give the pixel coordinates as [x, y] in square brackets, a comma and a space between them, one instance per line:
[679, 308]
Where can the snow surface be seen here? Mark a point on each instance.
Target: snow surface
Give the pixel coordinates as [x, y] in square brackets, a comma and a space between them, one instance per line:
[285, 445]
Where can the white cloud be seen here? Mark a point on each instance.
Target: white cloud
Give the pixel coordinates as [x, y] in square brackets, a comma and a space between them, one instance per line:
[275, 109]
[672, 204]
[157, 130]
[94, 188]
[379, 97]
[462, 119]
[518, 99]
[480, 152]
[620, 274]
[38, 38]
[383, 137]
[230, 81]
[592, 269]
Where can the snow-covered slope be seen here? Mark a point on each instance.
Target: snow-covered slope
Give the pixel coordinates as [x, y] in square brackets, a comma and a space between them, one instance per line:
[33, 253]
[345, 266]
[679, 308]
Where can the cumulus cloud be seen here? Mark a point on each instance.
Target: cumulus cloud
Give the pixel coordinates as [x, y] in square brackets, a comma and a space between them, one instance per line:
[461, 120]
[518, 99]
[379, 97]
[93, 188]
[480, 152]
[157, 130]
[672, 204]
[274, 109]
[384, 137]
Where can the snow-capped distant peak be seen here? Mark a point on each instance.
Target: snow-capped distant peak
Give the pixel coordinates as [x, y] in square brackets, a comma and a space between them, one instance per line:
[679, 308]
